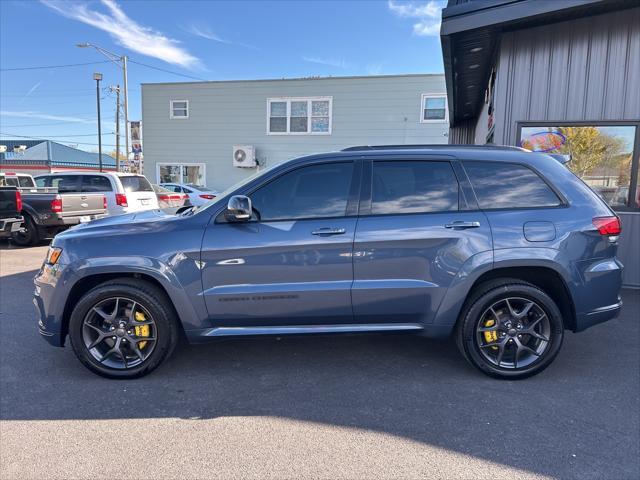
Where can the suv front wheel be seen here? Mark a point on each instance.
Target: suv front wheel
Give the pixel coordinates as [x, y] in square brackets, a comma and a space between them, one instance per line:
[123, 328]
[510, 329]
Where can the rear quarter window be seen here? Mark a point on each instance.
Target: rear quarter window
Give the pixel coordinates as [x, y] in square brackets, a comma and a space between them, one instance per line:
[509, 185]
[96, 183]
[136, 184]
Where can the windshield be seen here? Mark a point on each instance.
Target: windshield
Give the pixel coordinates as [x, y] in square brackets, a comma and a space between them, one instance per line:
[235, 187]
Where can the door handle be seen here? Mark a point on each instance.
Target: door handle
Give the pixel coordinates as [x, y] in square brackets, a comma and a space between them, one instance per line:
[462, 225]
[328, 231]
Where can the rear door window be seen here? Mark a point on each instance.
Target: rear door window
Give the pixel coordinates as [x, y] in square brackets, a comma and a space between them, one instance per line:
[508, 185]
[96, 183]
[135, 183]
[413, 187]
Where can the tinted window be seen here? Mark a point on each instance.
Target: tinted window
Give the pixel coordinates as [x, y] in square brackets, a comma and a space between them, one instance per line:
[310, 192]
[136, 184]
[96, 183]
[26, 182]
[505, 185]
[11, 181]
[40, 182]
[411, 187]
[65, 183]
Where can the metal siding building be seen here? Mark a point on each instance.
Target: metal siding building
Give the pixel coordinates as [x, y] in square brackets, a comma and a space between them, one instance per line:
[46, 156]
[516, 65]
[364, 110]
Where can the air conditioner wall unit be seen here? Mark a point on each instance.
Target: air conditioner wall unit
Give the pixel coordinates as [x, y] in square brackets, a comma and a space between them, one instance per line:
[244, 156]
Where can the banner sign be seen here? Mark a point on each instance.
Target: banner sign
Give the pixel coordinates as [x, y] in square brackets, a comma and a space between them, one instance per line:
[136, 136]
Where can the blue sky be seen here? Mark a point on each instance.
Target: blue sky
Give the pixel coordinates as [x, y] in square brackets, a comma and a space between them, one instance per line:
[212, 40]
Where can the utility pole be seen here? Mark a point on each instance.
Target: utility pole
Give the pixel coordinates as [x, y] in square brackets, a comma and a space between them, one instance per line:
[126, 108]
[117, 90]
[121, 61]
[97, 77]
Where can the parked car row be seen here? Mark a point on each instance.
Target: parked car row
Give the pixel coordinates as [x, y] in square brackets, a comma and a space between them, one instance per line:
[47, 211]
[52, 202]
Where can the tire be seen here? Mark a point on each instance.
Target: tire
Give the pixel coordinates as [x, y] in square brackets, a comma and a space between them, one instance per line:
[507, 335]
[30, 236]
[154, 305]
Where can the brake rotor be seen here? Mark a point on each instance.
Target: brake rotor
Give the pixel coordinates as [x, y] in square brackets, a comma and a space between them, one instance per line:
[141, 330]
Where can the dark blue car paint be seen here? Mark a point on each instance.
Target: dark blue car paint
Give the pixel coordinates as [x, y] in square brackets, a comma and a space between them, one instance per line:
[384, 273]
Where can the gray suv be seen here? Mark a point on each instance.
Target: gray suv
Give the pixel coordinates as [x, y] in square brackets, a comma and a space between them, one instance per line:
[503, 248]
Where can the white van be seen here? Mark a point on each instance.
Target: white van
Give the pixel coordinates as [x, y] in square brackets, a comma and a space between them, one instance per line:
[125, 192]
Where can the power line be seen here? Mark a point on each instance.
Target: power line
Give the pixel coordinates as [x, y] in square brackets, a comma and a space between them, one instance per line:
[45, 138]
[41, 67]
[37, 124]
[168, 71]
[70, 135]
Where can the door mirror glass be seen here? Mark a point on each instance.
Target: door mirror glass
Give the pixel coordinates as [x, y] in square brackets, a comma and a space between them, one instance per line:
[238, 209]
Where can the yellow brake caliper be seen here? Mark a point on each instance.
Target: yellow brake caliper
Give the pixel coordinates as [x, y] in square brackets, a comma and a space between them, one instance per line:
[141, 330]
[490, 336]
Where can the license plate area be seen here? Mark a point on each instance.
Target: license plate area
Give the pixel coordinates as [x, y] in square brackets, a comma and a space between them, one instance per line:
[85, 219]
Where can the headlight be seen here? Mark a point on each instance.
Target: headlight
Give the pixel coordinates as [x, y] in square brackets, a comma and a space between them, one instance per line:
[53, 255]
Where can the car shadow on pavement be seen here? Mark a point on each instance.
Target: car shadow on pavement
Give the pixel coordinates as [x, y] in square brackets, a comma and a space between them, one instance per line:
[582, 412]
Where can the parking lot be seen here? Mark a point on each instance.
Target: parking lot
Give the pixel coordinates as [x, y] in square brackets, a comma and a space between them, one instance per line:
[322, 407]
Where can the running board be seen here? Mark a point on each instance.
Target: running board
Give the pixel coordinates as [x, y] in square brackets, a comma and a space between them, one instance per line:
[305, 329]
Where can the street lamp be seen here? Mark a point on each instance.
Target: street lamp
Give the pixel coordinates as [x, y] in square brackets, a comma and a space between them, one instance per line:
[121, 61]
[97, 77]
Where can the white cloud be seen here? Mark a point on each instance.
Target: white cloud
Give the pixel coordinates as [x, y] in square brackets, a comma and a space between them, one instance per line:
[428, 15]
[31, 90]
[45, 116]
[330, 62]
[126, 31]
[206, 33]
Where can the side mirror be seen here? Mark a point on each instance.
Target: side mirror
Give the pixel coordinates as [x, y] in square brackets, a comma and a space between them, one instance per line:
[238, 209]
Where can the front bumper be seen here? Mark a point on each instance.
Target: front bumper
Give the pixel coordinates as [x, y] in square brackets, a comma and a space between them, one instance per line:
[48, 299]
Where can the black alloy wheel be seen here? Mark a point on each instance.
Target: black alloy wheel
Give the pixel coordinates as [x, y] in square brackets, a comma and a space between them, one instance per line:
[510, 329]
[124, 328]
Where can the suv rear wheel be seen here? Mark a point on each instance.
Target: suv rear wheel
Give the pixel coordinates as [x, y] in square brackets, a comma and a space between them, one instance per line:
[510, 329]
[123, 328]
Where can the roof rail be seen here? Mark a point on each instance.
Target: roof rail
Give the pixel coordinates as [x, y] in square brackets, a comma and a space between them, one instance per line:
[427, 146]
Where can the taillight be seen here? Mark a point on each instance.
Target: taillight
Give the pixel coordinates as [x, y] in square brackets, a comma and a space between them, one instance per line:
[104, 202]
[607, 225]
[121, 200]
[207, 196]
[18, 201]
[56, 204]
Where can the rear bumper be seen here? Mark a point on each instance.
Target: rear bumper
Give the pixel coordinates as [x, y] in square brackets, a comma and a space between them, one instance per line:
[599, 315]
[10, 225]
[75, 220]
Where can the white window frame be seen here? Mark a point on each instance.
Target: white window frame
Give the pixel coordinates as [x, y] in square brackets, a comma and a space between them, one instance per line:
[288, 101]
[172, 116]
[423, 97]
[180, 164]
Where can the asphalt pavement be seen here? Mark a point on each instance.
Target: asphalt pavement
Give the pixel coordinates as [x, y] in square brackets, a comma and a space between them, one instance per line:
[337, 407]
